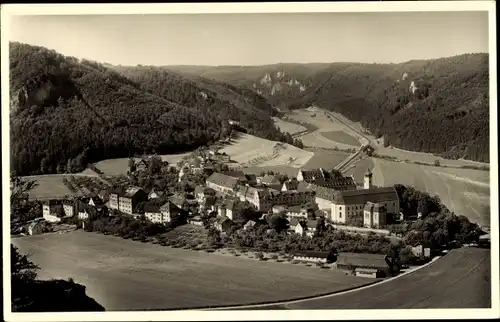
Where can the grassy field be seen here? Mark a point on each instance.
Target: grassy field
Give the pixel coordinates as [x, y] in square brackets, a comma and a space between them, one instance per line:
[464, 191]
[461, 279]
[49, 186]
[341, 137]
[324, 125]
[288, 127]
[249, 150]
[126, 275]
[114, 167]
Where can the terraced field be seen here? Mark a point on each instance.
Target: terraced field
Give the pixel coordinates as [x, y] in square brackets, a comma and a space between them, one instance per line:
[126, 275]
[250, 151]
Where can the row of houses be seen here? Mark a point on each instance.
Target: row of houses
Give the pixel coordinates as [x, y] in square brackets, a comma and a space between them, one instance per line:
[84, 208]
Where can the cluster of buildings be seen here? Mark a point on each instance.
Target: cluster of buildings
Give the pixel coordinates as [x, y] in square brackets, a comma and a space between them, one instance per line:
[363, 265]
[55, 211]
[227, 194]
[202, 161]
[336, 196]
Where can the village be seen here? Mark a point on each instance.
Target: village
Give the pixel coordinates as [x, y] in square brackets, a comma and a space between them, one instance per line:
[229, 200]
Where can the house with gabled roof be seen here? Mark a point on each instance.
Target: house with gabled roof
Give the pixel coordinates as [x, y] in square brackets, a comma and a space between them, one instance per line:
[155, 194]
[170, 212]
[271, 182]
[229, 208]
[126, 199]
[201, 193]
[53, 210]
[152, 212]
[380, 264]
[291, 184]
[310, 175]
[141, 165]
[222, 182]
[223, 223]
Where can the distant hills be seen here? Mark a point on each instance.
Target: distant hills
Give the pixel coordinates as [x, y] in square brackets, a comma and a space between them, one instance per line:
[439, 106]
[67, 112]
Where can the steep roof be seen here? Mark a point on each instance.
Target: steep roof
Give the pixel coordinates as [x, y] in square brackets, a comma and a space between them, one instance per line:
[363, 195]
[238, 174]
[204, 190]
[131, 191]
[362, 260]
[231, 204]
[209, 201]
[291, 184]
[269, 180]
[168, 206]
[337, 183]
[222, 180]
[151, 207]
[53, 202]
[312, 174]
[293, 222]
[321, 192]
[222, 219]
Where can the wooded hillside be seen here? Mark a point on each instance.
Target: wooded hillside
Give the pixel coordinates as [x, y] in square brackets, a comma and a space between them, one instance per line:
[67, 112]
[439, 106]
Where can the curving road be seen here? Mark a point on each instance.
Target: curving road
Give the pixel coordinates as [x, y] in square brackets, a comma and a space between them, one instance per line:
[461, 279]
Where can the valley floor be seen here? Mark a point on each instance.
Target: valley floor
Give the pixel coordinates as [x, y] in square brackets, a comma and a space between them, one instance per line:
[126, 275]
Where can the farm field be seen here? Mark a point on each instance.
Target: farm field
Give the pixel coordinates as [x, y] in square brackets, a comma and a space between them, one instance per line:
[377, 143]
[324, 125]
[49, 186]
[326, 159]
[114, 167]
[463, 191]
[168, 278]
[249, 150]
[288, 127]
[342, 137]
[461, 279]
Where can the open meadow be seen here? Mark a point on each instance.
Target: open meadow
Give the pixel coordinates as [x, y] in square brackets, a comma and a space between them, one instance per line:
[464, 191]
[287, 126]
[126, 275]
[249, 150]
[342, 137]
[460, 279]
[49, 186]
[114, 167]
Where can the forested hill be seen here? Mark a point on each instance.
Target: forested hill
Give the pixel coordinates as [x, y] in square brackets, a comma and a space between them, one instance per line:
[439, 106]
[67, 112]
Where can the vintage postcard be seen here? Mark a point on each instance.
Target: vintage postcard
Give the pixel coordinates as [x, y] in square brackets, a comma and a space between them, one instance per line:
[289, 160]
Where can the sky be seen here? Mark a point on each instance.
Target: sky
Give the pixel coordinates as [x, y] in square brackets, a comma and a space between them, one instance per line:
[256, 39]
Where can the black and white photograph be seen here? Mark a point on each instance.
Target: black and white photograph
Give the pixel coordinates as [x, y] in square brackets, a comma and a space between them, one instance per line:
[288, 160]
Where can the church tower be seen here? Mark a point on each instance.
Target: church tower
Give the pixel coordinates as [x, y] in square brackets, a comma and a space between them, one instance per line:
[368, 184]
